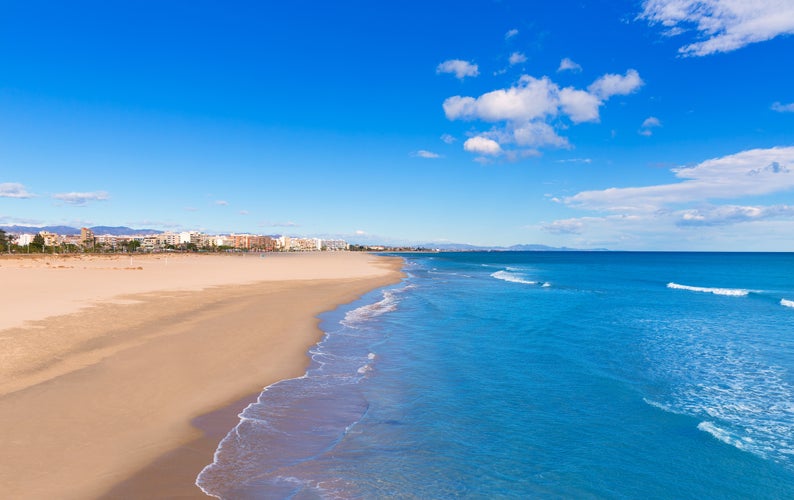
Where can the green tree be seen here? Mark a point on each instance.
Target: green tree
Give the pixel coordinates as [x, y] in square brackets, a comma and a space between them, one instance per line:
[133, 245]
[37, 245]
[3, 241]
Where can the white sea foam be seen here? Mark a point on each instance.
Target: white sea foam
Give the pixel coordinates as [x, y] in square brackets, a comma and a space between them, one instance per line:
[658, 405]
[387, 304]
[724, 436]
[512, 277]
[733, 292]
[787, 303]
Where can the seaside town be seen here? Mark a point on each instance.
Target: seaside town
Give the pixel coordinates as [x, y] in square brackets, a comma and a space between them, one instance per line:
[195, 241]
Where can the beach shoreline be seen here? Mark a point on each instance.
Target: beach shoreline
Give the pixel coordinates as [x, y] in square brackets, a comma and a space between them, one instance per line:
[127, 395]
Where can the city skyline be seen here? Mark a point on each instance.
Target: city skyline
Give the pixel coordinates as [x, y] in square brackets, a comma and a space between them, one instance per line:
[655, 125]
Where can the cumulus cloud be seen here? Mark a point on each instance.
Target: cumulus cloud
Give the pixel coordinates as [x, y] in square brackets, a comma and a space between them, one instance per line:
[510, 34]
[448, 139]
[538, 134]
[517, 58]
[426, 154]
[783, 108]
[647, 126]
[611, 84]
[81, 199]
[526, 114]
[482, 145]
[13, 190]
[754, 172]
[722, 25]
[461, 69]
[568, 65]
[580, 106]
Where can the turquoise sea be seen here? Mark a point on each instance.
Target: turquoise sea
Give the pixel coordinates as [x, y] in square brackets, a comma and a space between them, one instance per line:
[538, 375]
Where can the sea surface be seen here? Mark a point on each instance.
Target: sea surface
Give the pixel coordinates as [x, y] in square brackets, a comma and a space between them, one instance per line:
[537, 375]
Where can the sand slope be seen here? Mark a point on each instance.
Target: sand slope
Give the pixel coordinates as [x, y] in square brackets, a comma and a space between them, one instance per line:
[110, 384]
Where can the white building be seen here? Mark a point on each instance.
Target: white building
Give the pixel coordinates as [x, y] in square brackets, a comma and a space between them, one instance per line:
[25, 239]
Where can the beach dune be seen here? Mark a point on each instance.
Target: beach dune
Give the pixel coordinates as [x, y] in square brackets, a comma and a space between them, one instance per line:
[119, 375]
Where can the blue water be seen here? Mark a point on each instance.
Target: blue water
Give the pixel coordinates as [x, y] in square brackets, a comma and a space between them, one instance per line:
[538, 375]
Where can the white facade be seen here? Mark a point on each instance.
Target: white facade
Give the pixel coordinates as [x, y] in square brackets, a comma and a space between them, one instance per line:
[25, 239]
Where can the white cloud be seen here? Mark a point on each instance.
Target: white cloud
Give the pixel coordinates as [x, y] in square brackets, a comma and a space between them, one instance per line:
[13, 190]
[460, 68]
[510, 34]
[517, 58]
[81, 199]
[731, 214]
[426, 154]
[579, 105]
[532, 98]
[360, 232]
[482, 145]
[565, 226]
[222, 203]
[448, 139]
[537, 134]
[243, 212]
[611, 84]
[530, 109]
[576, 160]
[723, 25]
[649, 123]
[749, 173]
[783, 108]
[568, 65]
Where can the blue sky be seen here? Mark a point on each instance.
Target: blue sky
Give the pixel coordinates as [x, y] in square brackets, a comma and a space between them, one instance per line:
[656, 125]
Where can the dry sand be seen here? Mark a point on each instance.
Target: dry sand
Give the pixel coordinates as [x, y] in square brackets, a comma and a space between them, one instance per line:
[119, 376]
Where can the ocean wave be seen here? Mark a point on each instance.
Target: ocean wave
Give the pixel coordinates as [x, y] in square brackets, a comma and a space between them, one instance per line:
[787, 303]
[512, 277]
[364, 313]
[725, 436]
[733, 292]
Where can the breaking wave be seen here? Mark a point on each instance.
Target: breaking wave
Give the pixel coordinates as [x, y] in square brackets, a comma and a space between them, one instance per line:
[733, 292]
[515, 277]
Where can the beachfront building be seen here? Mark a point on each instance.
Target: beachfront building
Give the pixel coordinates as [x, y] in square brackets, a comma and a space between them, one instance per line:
[87, 237]
[168, 238]
[24, 239]
[253, 242]
[283, 243]
[335, 245]
[50, 239]
[150, 243]
[107, 240]
[305, 244]
[187, 237]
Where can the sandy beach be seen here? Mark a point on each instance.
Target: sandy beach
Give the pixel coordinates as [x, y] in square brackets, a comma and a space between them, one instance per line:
[119, 375]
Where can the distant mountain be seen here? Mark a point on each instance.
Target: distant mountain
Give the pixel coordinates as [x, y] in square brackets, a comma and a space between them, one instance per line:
[545, 248]
[122, 230]
[67, 230]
